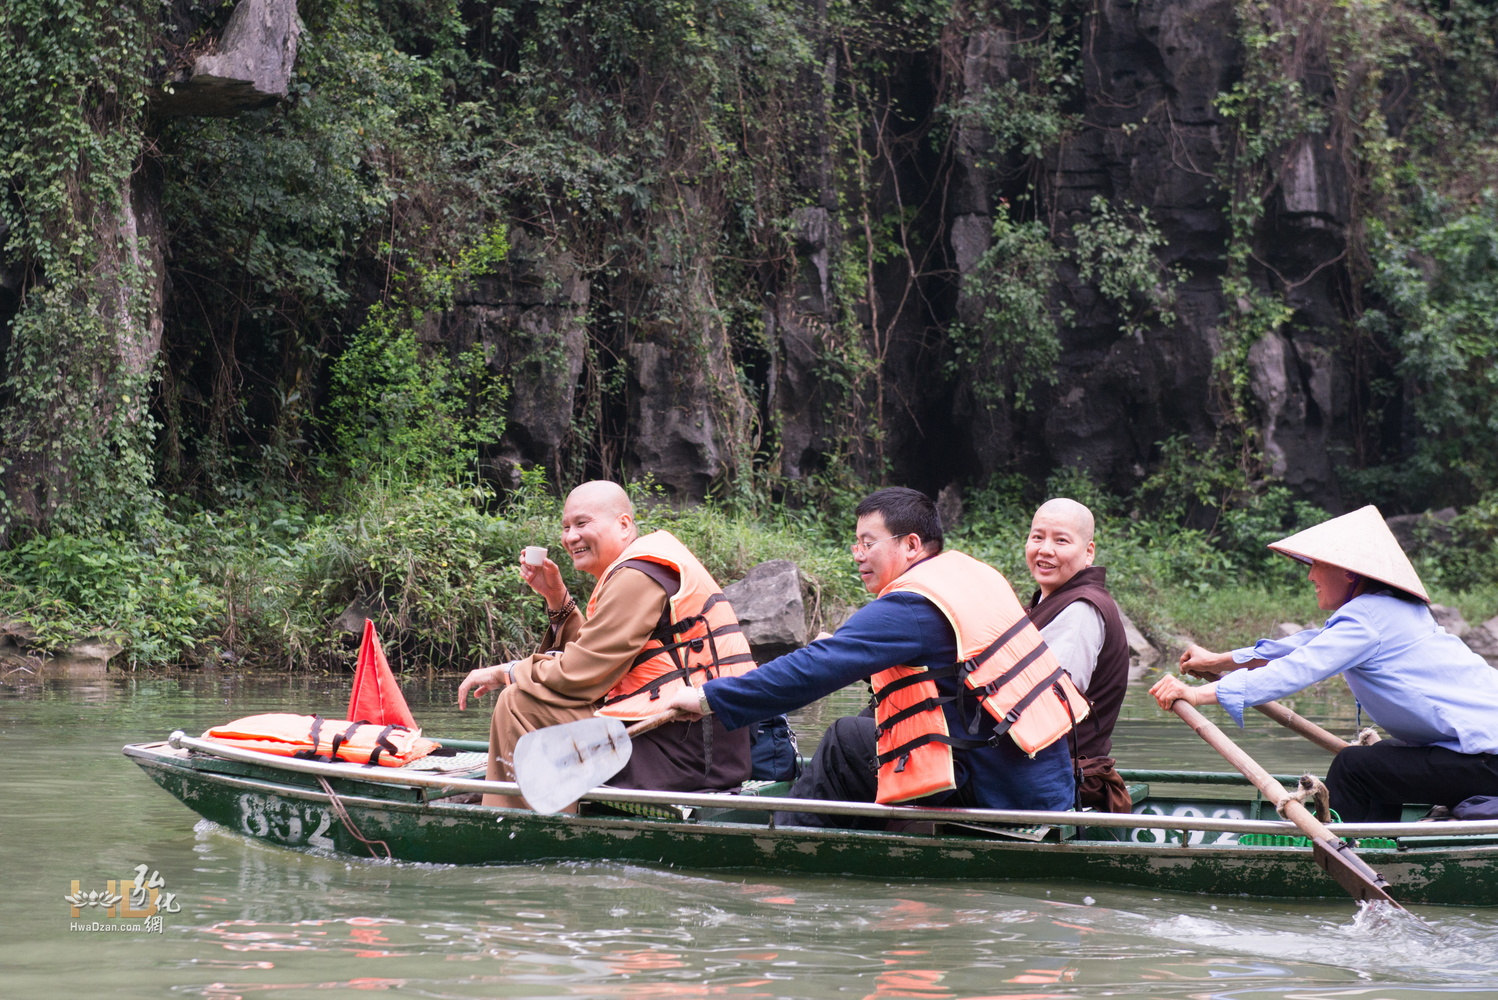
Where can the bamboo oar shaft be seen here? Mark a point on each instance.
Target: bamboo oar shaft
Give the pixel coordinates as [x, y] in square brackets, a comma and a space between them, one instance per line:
[1330, 742]
[1339, 861]
[653, 722]
[1242, 762]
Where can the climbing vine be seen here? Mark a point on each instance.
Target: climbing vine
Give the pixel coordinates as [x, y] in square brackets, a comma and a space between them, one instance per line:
[80, 351]
[1398, 97]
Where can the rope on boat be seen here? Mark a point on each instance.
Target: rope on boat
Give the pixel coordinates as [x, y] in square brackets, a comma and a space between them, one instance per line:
[348, 821]
[1312, 789]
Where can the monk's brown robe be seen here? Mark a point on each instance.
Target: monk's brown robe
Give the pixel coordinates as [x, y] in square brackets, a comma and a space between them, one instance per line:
[551, 688]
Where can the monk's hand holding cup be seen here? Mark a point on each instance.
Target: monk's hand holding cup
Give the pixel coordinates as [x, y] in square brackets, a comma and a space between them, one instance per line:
[543, 576]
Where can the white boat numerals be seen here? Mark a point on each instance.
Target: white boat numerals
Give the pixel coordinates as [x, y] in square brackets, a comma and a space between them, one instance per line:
[1160, 835]
[263, 816]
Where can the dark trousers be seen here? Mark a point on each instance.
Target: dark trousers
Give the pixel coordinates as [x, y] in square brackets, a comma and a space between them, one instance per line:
[842, 768]
[1370, 784]
[999, 777]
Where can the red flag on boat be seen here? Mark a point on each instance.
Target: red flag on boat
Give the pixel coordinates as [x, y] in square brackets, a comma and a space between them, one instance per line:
[377, 697]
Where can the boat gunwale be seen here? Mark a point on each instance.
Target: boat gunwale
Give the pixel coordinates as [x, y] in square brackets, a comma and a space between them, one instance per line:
[884, 838]
[389, 776]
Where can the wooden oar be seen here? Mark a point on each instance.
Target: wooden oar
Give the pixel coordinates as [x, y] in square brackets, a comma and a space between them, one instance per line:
[556, 765]
[1328, 741]
[1336, 858]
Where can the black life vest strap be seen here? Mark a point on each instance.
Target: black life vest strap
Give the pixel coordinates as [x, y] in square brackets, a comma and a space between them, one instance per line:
[669, 630]
[908, 747]
[343, 737]
[382, 742]
[993, 687]
[1008, 636]
[1071, 741]
[1012, 716]
[315, 732]
[654, 686]
[912, 711]
[910, 680]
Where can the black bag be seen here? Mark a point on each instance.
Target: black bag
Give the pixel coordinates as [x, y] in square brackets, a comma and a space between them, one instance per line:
[773, 751]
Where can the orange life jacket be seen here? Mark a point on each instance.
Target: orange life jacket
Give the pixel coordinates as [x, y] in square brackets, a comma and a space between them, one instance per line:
[1000, 654]
[699, 637]
[312, 737]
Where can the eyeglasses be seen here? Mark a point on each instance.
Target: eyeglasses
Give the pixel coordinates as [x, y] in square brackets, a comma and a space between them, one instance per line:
[861, 548]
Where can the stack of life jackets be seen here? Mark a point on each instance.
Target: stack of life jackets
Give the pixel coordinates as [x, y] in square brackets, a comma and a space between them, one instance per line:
[311, 737]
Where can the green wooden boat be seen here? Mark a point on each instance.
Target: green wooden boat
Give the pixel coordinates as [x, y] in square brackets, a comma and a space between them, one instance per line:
[1190, 831]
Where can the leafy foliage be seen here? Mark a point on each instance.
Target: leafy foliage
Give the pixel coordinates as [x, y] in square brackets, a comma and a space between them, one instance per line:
[697, 165]
[1014, 343]
[74, 443]
[414, 417]
[1439, 279]
[1119, 249]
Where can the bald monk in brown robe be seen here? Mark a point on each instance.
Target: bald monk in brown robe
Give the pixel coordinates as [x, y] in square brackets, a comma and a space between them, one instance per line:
[586, 656]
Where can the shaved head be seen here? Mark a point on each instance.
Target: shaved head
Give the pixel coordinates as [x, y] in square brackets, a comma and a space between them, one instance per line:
[604, 498]
[598, 523]
[1070, 512]
[1060, 543]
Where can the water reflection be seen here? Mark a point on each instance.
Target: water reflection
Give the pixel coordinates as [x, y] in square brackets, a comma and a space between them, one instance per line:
[260, 921]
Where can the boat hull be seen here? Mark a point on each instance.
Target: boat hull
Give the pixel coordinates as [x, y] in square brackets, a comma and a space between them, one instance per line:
[282, 808]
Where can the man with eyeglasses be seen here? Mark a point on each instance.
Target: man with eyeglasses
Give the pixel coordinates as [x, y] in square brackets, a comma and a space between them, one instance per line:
[970, 707]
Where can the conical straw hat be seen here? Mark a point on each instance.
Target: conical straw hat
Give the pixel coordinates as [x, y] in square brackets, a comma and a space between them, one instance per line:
[1359, 542]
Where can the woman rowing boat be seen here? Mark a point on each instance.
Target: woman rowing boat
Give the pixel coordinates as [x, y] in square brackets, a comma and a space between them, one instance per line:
[1436, 698]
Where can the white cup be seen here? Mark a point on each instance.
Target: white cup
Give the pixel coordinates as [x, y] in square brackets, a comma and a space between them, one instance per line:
[534, 555]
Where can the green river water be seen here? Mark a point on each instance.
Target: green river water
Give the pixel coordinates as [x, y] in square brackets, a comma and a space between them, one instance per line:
[256, 921]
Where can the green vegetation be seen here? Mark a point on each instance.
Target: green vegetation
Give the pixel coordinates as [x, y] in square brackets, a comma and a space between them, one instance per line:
[435, 565]
[307, 436]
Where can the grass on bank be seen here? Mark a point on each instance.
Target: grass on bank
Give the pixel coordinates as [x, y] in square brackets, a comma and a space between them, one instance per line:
[262, 585]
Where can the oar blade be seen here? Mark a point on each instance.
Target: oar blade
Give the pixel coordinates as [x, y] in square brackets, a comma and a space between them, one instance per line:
[1352, 873]
[556, 765]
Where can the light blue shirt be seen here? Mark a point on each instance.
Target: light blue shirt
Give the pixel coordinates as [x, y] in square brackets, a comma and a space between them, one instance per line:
[1419, 682]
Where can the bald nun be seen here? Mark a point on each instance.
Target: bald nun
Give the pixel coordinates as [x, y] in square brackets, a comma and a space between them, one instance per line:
[1082, 625]
[586, 658]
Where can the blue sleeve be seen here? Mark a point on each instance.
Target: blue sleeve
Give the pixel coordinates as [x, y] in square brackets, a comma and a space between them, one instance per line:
[1273, 649]
[1347, 640]
[900, 628]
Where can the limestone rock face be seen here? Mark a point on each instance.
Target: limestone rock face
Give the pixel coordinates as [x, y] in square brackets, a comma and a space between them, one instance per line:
[250, 67]
[795, 320]
[85, 658]
[1155, 69]
[1483, 640]
[1153, 139]
[1142, 653]
[768, 603]
[1414, 531]
[673, 424]
[528, 317]
[1450, 619]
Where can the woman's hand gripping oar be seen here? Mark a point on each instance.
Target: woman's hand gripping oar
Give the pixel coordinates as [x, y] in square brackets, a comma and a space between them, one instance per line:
[555, 766]
[1336, 858]
[1210, 666]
